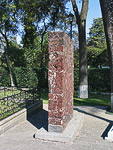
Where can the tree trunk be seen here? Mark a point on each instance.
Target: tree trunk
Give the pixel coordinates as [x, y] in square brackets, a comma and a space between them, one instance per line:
[107, 13]
[8, 63]
[41, 60]
[42, 39]
[81, 21]
[7, 57]
[83, 81]
[10, 72]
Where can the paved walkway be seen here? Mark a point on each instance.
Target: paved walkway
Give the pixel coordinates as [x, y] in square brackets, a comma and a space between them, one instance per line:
[89, 138]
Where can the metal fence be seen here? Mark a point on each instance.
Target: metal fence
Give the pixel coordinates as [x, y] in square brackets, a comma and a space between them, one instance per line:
[14, 99]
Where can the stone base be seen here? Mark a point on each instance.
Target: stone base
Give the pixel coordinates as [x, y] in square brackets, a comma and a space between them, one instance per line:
[83, 91]
[110, 135]
[68, 135]
[55, 128]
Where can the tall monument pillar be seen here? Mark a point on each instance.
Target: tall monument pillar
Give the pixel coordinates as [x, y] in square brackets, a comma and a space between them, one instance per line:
[61, 81]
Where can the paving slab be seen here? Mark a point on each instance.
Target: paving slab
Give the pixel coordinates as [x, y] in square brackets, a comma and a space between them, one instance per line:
[90, 136]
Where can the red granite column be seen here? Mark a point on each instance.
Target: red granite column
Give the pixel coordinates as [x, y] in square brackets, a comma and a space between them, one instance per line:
[61, 81]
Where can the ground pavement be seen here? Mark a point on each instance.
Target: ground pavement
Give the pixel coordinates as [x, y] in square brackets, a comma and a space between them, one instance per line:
[90, 137]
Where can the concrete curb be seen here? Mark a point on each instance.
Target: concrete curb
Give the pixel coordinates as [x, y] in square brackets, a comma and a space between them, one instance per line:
[69, 134]
[19, 116]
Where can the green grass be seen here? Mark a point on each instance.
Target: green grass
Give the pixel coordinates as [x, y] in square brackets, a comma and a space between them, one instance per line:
[8, 93]
[8, 106]
[44, 97]
[6, 114]
[93, 100]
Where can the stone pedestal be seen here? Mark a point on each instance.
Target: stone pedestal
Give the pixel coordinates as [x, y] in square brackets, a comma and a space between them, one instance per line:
[61, 81]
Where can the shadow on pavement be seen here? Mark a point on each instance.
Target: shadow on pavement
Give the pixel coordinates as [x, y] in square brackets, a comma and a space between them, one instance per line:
[107, 130]
[39, 120]
[91, 113]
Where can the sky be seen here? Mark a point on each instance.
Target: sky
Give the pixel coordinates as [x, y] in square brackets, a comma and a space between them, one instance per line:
[94, 12]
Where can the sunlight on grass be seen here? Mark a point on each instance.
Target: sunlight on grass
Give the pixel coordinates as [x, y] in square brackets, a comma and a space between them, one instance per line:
[93, 100]
[99, 100]
[44, 97]
[8, 93]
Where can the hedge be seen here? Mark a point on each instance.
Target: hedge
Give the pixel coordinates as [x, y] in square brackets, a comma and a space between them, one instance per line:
[42, 74]
[25, 77]
[4, 77]
[98, 79]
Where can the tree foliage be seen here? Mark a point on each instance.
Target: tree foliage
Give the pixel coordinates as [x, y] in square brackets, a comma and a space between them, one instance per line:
[97, 57]
[96, 45]
[97, 34]
[8, 27]
[36, 22]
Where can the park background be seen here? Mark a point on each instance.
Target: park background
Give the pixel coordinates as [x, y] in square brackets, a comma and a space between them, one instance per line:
[27, 36]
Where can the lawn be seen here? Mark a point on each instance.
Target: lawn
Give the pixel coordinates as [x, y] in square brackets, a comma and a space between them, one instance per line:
[11, 101]
[8, 93]
[93, 100]
[7, 106]
[44, 97]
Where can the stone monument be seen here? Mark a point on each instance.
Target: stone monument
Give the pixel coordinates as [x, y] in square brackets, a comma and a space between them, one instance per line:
[61, 81]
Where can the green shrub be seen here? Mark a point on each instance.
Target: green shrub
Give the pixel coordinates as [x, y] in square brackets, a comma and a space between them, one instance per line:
[4, 77]
[42, 74]
[25, 77]
[98, 79]
[76, 79]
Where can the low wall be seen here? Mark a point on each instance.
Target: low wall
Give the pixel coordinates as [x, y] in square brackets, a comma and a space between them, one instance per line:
[20, 116]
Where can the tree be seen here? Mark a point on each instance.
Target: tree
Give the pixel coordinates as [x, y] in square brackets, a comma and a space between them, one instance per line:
[34, 15]
[0, 55]
[8, 27]
[97, 57]
[42, 56]
[81, 22]
[96, 45]
[16, 55]
[96, 34]
[107, 13]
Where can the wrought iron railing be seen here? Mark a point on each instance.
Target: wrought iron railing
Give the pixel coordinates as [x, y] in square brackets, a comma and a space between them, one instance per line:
[14, 99]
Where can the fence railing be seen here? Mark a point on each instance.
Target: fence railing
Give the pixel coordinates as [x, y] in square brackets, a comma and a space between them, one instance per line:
[14, 99]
